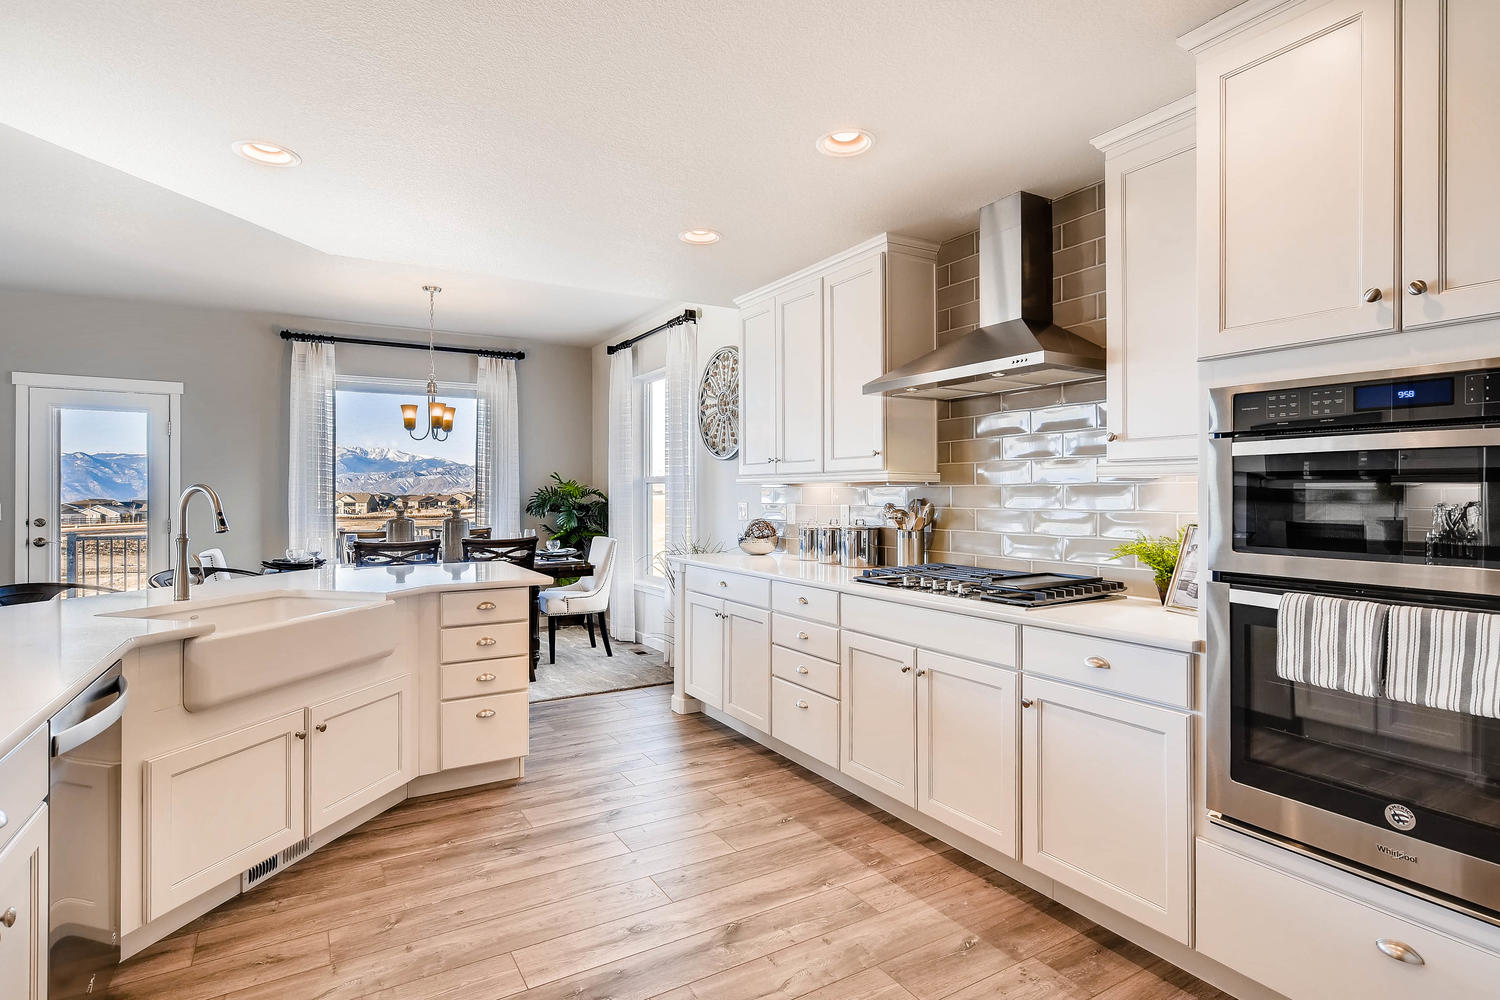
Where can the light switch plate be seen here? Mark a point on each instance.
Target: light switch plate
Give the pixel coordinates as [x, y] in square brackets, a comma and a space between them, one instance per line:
[744, 511]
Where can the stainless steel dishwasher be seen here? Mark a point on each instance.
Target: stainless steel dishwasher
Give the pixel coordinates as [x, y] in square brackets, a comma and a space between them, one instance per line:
[84, 839]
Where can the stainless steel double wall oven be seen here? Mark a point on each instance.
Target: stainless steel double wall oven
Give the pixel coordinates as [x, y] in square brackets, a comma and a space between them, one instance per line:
[1383, 487]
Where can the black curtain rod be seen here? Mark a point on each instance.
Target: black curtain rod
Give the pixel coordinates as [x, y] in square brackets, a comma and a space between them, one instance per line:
[325, 338]
[688, 316]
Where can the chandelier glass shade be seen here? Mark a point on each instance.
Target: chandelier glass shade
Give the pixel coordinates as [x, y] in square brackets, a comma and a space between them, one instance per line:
[438, 420]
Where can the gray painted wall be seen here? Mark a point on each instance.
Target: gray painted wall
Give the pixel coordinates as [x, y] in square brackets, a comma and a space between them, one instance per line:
[235, 369]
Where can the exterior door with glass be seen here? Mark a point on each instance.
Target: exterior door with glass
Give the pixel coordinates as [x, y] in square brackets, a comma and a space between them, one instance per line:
[98, 475]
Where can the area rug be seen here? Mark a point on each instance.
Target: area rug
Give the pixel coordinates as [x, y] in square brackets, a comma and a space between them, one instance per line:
[581, 669]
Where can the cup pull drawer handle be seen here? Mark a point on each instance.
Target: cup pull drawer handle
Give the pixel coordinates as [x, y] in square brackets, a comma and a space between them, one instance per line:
[485, 713]
[1098, 662]
[486, 641]
[801, 669]
[802, 635]
[8, 918]
[485, 606]
[801, 600]
[801, 703]
[485, 677]
[1400, 951]
[723, 583]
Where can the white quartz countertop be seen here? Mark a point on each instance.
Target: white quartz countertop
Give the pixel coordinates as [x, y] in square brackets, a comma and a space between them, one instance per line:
[1129, 619]
[50, 652]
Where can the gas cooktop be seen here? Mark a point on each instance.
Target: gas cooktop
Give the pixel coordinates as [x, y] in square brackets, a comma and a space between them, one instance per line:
[1012, 587]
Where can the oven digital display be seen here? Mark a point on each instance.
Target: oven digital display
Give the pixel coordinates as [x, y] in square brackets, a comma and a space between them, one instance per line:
[1394, 395]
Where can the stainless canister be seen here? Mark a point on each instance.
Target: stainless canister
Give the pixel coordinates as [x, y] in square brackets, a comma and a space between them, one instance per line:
[859, 546]
[807, 542]
[911, 548]
[826, 543]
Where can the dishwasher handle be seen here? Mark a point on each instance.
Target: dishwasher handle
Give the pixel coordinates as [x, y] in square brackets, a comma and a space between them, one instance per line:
[77, 735]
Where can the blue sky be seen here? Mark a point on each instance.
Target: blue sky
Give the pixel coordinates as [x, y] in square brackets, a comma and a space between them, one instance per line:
[102, 432]
[373, 419]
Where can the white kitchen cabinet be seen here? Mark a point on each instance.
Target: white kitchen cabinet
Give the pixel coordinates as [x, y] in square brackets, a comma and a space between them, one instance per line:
[799, 371]
[758, 378]
[217, 807]
[23, 910]
[361, 746]
[1106, 806]
[1296, 181]
[809, 343]
[967, 735]
[1150, 230]
[747, 664]
[1450, 121]
[703, 671]
[878, 715]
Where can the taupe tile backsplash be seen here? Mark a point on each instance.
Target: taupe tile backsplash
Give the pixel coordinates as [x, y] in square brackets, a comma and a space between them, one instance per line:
[1022, 486]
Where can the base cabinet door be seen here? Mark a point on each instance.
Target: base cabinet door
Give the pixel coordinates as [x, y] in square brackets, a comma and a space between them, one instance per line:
[23, 911]
[216, 808]
[967, 733]
[703, 674]
[1106, 807]
[360, 746]
[878, 708]
[747, 664]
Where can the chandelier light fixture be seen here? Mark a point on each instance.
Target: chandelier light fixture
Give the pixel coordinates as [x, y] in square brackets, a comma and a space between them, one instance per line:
[439, 423]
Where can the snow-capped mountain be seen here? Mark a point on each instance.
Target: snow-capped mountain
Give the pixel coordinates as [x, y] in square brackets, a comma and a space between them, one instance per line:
[389, 470]
[107, 476]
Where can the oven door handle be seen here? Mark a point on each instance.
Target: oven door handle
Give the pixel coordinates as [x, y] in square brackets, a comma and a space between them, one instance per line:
[1255, 598]
[75, 736]
[1380, 441]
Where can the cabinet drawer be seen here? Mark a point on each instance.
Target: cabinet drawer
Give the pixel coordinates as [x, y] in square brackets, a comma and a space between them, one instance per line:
[485, 729]
[479, 607]
[23, 783]
[805, 720]
[484, 642]
[1309, 941]
[804, 636]
[805, 602]
[809, 671]
[1119, 667]
[465, 680]
[752, 590]
[963, 635]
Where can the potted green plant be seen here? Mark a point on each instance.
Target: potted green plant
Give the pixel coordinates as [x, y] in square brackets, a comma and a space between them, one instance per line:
[1158, 553]
[578, 512]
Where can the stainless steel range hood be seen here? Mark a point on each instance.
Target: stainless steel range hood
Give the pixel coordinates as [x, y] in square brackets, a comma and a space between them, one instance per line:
[1016, 344]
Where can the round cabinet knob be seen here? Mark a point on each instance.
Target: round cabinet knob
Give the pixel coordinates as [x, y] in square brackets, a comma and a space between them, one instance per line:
[321, 727]
[1027, 703]
[906, 670]
[1097, 662]
[485, 677]
[1371, 295]
[874, 454]
[8, 918]
[300, 736]
[485, 606]
[1400, 951]
[801, 703]
[1417, 287]
[485, 713]
[486, 641]
[1113, 436]
[921, 673]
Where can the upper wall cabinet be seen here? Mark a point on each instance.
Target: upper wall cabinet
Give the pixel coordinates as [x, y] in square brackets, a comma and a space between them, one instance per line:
[1296, 174]
[1149, 238]
[1298, 160]
[809, 343]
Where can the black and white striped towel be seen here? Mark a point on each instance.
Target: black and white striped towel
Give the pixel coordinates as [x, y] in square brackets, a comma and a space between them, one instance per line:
[1446, 659]
[1332, 643]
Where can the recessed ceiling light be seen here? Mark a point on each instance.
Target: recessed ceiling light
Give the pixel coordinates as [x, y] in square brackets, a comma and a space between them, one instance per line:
[846, 142]
[265, 152]
[698, 237]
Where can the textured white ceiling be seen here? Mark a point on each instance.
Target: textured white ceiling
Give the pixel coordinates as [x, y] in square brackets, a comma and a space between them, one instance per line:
[567, 142]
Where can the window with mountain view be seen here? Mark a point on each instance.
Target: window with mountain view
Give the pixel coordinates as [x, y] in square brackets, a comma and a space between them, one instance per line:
[379, 467]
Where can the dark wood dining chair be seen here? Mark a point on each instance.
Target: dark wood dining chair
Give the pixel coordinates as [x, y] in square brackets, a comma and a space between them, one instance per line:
[36, 593]
[521, 551]
[378, 553]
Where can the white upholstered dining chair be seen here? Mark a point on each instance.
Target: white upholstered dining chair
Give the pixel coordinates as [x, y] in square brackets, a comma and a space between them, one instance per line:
[587, 599]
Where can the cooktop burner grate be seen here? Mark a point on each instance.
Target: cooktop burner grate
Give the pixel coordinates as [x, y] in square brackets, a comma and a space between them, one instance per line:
[1011, 587]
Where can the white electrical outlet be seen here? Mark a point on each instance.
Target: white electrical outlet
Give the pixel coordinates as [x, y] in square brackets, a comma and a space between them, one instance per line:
[744, 511]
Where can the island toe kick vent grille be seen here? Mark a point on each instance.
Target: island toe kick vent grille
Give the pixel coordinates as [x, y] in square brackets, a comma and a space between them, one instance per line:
[275, 863]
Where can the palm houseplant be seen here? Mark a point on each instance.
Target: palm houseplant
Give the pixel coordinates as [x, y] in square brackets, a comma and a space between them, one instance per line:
[577, 512]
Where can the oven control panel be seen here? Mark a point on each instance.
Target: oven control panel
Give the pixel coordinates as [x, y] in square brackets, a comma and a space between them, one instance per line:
[1461, 395]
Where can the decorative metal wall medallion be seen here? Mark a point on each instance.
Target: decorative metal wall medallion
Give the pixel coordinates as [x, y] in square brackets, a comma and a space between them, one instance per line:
[719, 403]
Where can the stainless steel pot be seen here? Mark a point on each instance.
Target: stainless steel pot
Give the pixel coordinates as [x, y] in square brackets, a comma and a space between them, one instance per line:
[859, 546]
[911, 548]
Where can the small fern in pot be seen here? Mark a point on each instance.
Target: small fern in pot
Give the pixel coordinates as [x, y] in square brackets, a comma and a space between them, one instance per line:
[1157, 553]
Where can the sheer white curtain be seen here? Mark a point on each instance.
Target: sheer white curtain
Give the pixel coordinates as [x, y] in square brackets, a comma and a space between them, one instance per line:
[310, 523]
[497, 472]
[624, 474]
[682, 433]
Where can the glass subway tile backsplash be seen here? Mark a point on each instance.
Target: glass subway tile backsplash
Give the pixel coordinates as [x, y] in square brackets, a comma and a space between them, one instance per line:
[1023, 487]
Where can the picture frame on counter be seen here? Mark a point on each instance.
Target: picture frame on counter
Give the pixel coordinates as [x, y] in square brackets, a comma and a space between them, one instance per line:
[1182, 592]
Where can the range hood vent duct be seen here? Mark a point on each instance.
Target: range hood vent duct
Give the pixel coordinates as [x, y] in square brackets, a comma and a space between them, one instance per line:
[1016, 344]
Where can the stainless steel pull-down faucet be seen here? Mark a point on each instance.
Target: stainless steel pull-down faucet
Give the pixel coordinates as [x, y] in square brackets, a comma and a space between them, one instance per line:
[181, 574]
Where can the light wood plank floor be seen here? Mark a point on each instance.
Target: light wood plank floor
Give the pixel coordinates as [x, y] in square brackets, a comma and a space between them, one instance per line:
[644, 855]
